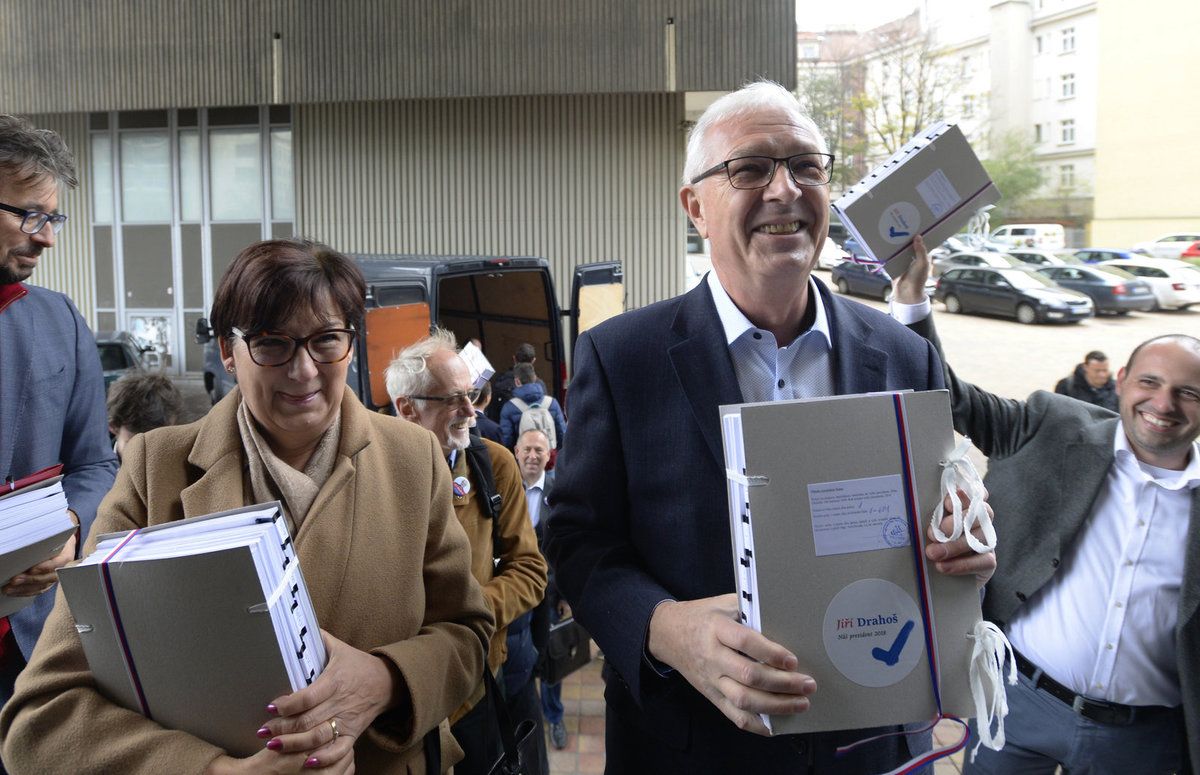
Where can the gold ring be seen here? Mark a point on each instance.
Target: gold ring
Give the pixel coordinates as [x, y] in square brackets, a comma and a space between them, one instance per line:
[333, 726]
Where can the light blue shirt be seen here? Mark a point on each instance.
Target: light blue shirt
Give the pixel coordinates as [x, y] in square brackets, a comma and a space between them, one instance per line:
[533, 497]
[766, 371]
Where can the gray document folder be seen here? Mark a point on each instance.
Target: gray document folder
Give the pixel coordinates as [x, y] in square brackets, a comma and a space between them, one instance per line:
[820, 497]
[198, 624]
[34, 526]
[932, 186]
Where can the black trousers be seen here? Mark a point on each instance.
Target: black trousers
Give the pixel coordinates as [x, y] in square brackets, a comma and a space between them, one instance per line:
[527, 704]
[479, 735]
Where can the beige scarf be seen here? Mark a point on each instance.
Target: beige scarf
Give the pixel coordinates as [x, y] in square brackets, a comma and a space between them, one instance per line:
[272, 479]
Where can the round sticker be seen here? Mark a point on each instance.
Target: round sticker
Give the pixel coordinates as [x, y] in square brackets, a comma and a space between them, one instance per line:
[899, 223]
[462, 486]
[873, 633]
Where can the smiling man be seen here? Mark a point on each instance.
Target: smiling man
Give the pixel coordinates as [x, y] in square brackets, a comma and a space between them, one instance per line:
[639, 533]
[1099, 586]
[51, 386]
[431, 385]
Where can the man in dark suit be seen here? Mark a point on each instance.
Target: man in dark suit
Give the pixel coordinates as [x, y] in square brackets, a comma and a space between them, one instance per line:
[533, 455]
[1099, 586]
[639, 536]
[51, 385]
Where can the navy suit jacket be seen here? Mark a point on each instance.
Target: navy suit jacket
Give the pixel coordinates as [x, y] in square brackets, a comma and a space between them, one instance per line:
[640, 513]
[52, 411]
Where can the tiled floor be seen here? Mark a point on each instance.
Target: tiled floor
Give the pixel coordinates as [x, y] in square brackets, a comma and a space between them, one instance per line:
[583, 704]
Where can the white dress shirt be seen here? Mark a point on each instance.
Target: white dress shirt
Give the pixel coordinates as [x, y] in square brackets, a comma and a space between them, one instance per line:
[533, 496]
[767, 371]
[1105, 624]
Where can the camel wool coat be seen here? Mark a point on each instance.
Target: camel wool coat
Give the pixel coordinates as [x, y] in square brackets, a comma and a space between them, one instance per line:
[386, 562]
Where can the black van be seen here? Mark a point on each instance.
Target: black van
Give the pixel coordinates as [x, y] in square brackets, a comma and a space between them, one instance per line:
[500, 301]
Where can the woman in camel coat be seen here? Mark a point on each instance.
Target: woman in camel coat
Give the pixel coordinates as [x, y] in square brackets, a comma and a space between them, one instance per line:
[368, 499]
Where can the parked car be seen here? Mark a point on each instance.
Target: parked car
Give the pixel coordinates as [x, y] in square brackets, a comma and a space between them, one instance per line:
[1176, 284]
[1110, 289]
[853, 248]
[1168, 245]
[1049, 236]
[831, 255]
[976, 258]
[837, 230]
[1018, 293]
[1036, 258]
[852, 277]
[120, 354]
[500, 301]
[1191, 254]
[1096, 255]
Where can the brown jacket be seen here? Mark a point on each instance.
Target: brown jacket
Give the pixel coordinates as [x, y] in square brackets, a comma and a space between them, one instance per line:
[517, 583]
[387, 565]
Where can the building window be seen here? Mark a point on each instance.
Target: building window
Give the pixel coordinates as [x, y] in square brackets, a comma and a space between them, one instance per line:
[810, 51]
[1038, 44]
[1068, 86]
[1068, 131]
[1068, 39]
[1066, 176]
[968, 106]
[1037, 133]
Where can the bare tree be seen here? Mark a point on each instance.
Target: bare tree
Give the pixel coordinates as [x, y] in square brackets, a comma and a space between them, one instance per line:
[829, 89]
[907, 85]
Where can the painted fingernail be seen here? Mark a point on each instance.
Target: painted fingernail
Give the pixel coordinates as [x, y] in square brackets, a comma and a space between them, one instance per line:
[263, 733]
[274, 745]
[809, 686]
[272, 709]
[312, 761]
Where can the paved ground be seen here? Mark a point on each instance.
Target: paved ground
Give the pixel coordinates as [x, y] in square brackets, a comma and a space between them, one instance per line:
[999, 355]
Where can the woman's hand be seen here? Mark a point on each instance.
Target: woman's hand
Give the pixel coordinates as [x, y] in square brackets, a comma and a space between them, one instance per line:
[267, 762]
[326, 718]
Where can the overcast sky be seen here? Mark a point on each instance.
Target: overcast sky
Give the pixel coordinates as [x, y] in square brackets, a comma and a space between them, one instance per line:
[819, 15]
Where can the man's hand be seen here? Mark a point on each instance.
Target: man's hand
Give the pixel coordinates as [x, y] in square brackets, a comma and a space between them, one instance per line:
[957, 558]
[741, 672]
[42, 576]
[909, 288]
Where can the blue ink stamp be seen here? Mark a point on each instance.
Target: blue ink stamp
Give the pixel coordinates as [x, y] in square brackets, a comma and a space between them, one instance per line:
[895, 533]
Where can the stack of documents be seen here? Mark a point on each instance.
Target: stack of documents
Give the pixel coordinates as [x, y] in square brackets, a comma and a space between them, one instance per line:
[34, 526]
[822, 498]
[932, 186]
[198, 624]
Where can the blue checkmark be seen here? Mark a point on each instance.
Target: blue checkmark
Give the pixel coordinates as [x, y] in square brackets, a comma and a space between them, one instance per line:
[892, 655]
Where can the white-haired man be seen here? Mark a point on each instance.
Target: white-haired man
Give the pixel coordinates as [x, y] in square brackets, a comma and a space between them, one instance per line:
[430, 385]
[639, 535]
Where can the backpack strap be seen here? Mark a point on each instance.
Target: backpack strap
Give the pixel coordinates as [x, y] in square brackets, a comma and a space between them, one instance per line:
[520, 404]
[481, 463]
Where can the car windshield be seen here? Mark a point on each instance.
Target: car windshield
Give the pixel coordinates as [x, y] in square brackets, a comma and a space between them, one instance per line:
[1068, 257]
[1113, 272]
[1000, 259]
[113, 356]
[1027, 281]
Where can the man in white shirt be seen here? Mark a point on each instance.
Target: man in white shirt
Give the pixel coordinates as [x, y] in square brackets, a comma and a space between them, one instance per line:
[1099, 582]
